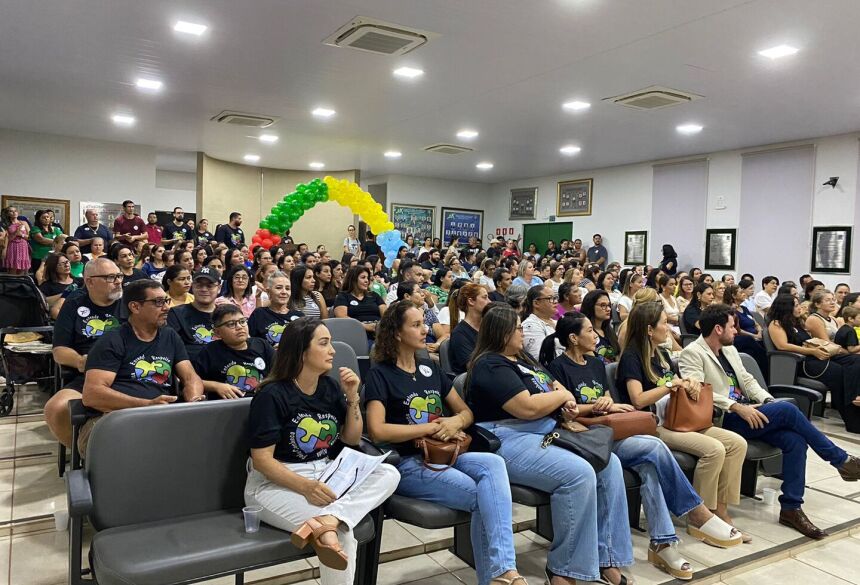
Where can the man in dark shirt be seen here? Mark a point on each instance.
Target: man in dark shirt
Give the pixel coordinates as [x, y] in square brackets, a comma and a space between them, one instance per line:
[435, 261]
[193, 322]
[84, 318]
[178, 231]
[154, 232]
[92, 229]
[230, 234]
[597, 254]
[135, 365]
[129, 227]
[370, 247]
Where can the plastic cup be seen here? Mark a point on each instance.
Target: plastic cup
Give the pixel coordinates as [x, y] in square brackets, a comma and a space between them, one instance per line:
[769, 496]
[252, 518]
[61, 518]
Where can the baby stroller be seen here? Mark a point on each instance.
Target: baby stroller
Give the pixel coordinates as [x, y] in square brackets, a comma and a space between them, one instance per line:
[23, 310]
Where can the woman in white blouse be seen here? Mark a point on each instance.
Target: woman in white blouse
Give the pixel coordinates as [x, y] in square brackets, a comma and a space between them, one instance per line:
[538, 312]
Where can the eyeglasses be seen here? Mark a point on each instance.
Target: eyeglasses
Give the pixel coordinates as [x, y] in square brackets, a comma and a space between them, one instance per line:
[234, 324]
[109, 278]
[603, 305]
[64, 262]
[553, 298]
[160, 302]
[240, 277]
[519, 328]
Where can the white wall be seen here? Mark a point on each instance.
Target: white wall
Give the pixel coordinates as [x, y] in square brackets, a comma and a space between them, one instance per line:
[622, 201]
[174, 189]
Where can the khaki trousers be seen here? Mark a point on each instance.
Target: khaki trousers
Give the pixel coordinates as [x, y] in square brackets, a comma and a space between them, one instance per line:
[721, 455]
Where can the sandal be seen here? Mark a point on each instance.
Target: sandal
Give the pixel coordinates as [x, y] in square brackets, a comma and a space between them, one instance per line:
[330, 555]
[716, 533]
[670, 560]
[518, 580]
[623, 581]
[550, 575]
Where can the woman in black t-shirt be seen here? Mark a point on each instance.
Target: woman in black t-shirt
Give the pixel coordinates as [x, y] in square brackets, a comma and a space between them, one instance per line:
[296, 418]
[517, 400]
[358, 302]
[409, 399]
[703, 295]
[58, 279]
[269, 322]
[665, 488]
[645, 378]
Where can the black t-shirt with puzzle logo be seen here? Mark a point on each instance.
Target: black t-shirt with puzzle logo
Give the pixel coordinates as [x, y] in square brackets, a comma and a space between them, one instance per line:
[495, 379]
[81, 322]
[244, 369]
[193, 326]
[269, 325]
[586, 382]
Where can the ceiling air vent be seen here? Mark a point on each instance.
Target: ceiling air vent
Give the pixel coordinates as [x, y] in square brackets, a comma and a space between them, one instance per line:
[448, 148]
[653, 98]
[240, 119]
[378, 36]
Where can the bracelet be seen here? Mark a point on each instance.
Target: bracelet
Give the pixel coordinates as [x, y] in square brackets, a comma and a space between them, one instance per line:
[351, 403]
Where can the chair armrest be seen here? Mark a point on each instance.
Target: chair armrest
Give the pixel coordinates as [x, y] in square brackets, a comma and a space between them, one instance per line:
[78, 413]
[483, 441]
[78, 493]
[803, 398]
[368, 447]
[783, 366]
[790, 399]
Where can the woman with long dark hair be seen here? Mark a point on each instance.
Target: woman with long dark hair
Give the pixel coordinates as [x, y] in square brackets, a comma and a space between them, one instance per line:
[408, 398]
[58, 279]
[297, 416]
[598, 308]
[237, 289]
[324, 283]
[441, 287]
[749, 337]
[72, 251]
[839, 372]
[703, 295]
[664, 486]
[154, 266]
[645, 378]
[357, 301]
[303, 297]
[669, 263]
[465, 324]
[518, 401]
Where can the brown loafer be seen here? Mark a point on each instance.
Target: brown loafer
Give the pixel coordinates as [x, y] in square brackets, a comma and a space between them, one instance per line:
[850, 470]
[797, 519]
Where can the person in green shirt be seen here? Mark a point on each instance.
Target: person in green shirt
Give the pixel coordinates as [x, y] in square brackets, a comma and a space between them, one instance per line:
[73, 252]
[42, 236]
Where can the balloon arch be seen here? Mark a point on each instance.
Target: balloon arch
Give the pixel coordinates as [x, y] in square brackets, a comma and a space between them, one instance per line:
[346, 193]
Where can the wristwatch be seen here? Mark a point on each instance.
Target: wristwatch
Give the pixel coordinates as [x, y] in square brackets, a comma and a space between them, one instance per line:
[669, 384]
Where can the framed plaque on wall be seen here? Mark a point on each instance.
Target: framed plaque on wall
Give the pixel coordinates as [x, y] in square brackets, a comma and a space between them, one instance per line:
[635, 248]
[523, 203]
[831, 249]
[574, 197]
[720, 247]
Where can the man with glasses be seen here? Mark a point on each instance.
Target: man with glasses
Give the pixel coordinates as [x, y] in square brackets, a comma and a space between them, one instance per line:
[125, 261]
[136, 364]
[193, 321]
[129, 227]
[84, 318]
[235, 363]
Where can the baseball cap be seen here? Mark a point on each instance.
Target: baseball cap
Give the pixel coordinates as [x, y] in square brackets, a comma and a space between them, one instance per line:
[210, 274]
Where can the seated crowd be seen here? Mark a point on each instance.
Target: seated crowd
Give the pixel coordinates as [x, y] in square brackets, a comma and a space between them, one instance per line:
[194, 317]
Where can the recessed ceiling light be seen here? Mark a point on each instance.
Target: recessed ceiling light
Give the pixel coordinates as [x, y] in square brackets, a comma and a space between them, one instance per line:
[689, 128]
[190, 28]
[323, 112]
[408, 72]
[779, 51]
[570, 149]
[484, 166]
[316, 165]
[393, 154]
[576, 106]
[252, 158]
[148, 84]
[123, 120]
[467, 134]
[268, 138]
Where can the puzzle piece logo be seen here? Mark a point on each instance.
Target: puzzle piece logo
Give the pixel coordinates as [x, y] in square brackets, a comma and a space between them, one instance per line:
[156, 372]
[96, 327]
[244, 378]
[589, 394]
[312, 435]
[425, 410]
[274, 332]
[202, 334]
[542, 380]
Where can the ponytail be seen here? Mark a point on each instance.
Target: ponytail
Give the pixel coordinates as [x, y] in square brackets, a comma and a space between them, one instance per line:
[547, 350]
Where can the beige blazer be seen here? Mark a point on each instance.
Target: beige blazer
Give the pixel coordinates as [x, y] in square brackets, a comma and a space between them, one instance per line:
[698, 362]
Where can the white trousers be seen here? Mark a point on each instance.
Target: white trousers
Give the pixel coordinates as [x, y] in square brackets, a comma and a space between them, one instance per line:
[288, 510]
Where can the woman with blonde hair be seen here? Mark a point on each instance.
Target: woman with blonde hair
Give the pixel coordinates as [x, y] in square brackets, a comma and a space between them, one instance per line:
[645, 295]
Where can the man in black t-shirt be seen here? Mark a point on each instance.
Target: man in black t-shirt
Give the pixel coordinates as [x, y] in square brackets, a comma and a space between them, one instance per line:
[193, 321]
[84, 318]
[230, 234]
[135, 365]
[177, 231]
[233, 365]
[370, 247]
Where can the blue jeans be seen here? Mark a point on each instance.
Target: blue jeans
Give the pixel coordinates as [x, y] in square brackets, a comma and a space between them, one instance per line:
[478, 483]
[664, 488]
[578, 497]
[789, 430]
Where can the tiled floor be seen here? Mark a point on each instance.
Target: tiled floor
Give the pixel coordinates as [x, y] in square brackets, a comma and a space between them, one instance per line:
[32, 552]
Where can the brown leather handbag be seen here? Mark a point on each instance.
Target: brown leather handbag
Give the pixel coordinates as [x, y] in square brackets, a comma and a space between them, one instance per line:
[624, 424]
[440, 455]
[685, 415]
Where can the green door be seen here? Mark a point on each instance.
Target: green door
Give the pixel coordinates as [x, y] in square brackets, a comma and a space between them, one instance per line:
[539, 233]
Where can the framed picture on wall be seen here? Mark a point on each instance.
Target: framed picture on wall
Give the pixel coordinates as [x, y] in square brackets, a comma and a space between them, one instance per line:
[523, 203]
[831, 249]
[108, 212]
[720, 247]
[464, 223]
[635, 248]
[413, 219]
[28, 206]
[574, 197]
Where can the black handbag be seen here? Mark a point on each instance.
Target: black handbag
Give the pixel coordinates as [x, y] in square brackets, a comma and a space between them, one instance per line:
[594, 445]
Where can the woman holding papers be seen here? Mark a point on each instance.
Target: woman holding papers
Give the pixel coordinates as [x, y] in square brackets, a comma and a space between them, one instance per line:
[409, 398]
[296, 417]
